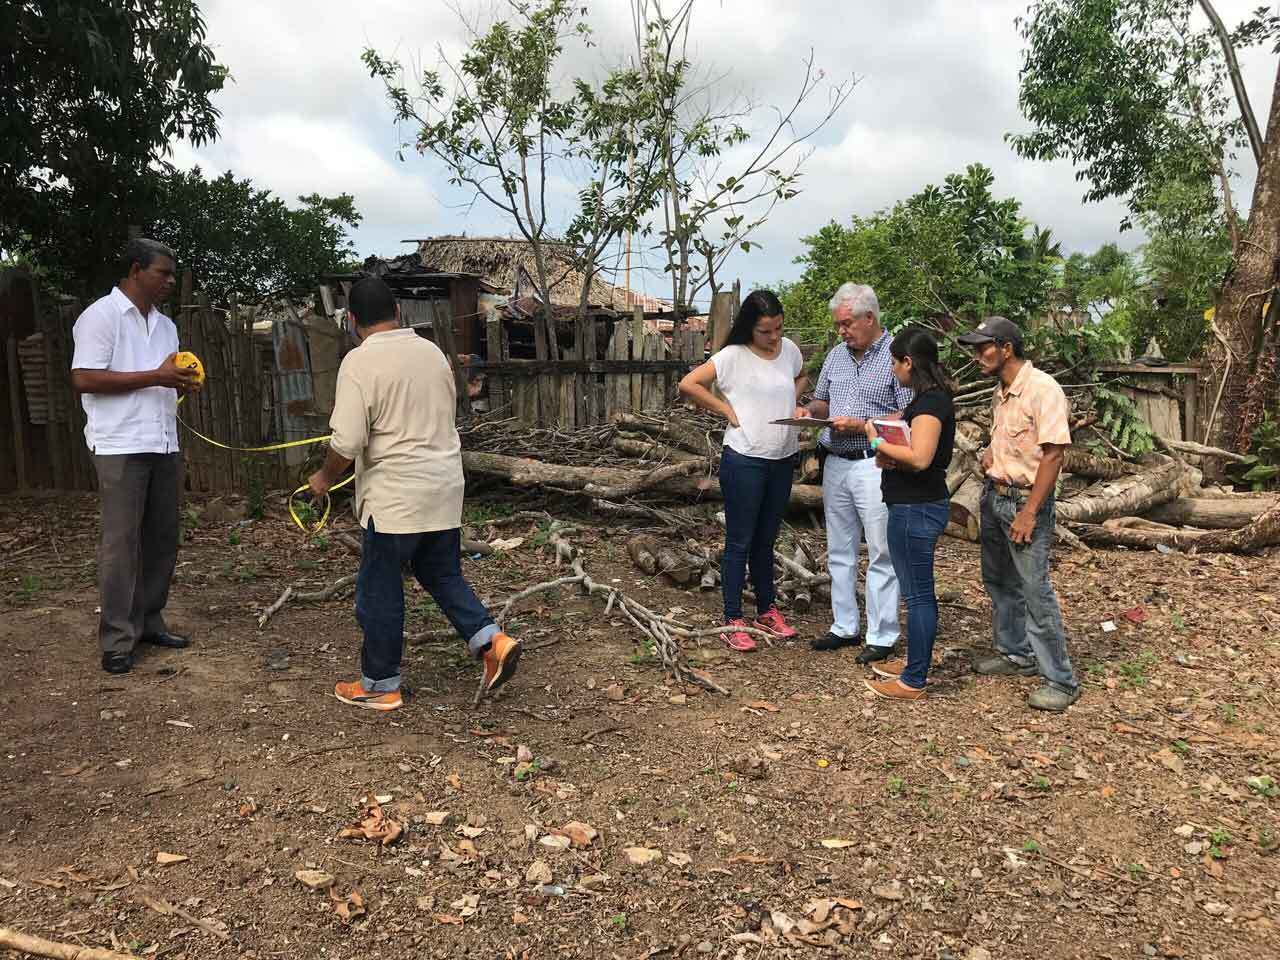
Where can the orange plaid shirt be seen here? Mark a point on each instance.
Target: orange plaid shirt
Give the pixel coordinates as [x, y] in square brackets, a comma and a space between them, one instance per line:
[1030, 412]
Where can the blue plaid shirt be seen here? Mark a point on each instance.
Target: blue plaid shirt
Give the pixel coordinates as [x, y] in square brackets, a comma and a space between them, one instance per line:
[863, 388]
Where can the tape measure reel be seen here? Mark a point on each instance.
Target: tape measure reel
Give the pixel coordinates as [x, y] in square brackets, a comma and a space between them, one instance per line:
[189, 361]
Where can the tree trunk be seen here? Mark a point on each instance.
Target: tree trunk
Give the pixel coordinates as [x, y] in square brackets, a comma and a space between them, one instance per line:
[1262, 532]
[524, 472]
[966, 506]
[1124, 497]
[1243, 377]
[1085, 464]
[37, 947]
[1211, 513]
[652, 450]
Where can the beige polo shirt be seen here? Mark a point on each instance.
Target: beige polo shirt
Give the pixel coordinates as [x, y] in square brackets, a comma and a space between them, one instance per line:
[1032, 411]
[393, 415]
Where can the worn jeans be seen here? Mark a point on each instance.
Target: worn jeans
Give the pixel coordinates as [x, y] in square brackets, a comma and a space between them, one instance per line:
[756, 493]
[1026, 621]
[139, 547]
[854, 508]
[914, 529]
[434, 559]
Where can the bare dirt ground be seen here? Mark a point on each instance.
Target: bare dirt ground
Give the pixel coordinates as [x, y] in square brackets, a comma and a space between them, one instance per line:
[796, 817]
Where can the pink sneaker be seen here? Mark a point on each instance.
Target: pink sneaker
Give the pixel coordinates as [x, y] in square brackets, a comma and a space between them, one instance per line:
[736, 639]
[771, 620]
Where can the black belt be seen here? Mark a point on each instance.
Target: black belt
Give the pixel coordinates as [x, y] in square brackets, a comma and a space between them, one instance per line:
[852, 455]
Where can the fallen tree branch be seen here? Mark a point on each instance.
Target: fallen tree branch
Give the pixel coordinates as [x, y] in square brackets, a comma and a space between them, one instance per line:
[270, 611]
[38, 947]
[646, 481]
[1126, 496]
[1200, 450]
[1261, 533]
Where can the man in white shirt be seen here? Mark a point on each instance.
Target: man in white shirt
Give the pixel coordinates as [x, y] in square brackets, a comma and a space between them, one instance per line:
[124, 367]
[393, 416]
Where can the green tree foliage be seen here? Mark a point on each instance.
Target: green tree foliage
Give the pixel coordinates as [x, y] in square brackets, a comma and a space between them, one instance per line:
[245, 243]
[947, 253]
[1134, 92]
[92, 94]
[1186, 257]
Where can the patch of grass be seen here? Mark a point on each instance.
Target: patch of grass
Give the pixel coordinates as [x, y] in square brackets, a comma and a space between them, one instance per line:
[897, 786]
[233, 538]
[1180, 747]
[1227, 711]
[1136, 871]
[1177, 621]
[619, 920]
[1095, 669]
[1133, 673]
[528, 773]
[1218, 839]
[643, 655]
[1030, 846]
[475, 514]
[1041, 782]
[28, 586]
[321, 541]
[1267, 840]
[1264, 786]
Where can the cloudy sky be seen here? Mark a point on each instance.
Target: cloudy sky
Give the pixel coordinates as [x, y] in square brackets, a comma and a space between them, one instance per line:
[937, 90]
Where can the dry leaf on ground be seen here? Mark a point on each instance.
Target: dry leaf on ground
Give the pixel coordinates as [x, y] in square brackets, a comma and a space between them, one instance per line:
[349, 907]
[314, 879]
[164, 859]
[374, 824]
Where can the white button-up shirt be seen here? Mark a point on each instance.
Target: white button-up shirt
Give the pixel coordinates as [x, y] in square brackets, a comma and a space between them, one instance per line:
[113, 335]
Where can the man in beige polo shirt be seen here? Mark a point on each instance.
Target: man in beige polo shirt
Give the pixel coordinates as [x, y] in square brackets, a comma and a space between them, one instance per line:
[1029, 434]
[394, 417]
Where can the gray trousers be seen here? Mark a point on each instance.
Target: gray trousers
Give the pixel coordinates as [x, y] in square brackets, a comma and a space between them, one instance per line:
[139, 546]
[1027, 622]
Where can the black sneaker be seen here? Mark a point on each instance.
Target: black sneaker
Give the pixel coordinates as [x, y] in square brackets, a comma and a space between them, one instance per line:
[872, 654]
[831, 641]
[117, 662]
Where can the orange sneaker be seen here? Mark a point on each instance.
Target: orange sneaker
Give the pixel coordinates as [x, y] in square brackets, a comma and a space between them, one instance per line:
[893, 689]
[500, 661]
[355, 694]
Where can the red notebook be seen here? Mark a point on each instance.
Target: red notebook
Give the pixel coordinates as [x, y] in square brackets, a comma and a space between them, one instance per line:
[897, 432]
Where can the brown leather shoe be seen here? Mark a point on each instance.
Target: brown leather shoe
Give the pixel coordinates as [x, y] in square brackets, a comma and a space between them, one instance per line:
[893, 690]
[500, 661]
[889, 669]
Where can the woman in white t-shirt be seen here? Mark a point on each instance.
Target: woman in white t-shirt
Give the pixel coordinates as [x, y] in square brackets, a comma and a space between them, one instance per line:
[761, 374]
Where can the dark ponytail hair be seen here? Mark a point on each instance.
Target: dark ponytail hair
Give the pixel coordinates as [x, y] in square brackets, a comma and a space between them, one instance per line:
[759, 303]
[926, 372]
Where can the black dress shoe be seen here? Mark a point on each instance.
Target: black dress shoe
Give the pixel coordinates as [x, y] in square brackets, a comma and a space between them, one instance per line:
[171, 640]
[117, 662]
[872, 654]
[831, 641]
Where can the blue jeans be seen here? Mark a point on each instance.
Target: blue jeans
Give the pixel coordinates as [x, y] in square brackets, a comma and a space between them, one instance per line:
[914, 529]
[434, 560]
[1026, 620]
[756, 493]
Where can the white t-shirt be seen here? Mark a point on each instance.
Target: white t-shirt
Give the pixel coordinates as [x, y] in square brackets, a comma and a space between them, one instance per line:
[760, 391]
[112, 334]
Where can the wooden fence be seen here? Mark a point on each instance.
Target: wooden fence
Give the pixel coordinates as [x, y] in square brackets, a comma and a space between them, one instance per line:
[638, 372]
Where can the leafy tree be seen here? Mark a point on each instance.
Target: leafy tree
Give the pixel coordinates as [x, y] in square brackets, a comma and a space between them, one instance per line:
[1188, 252]
[1139, 95]
[509, 125]
[713, 196]
[948, 253]
[92, 94]
[245, 243]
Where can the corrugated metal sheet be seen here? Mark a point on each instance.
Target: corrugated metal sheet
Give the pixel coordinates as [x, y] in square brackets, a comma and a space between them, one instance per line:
[293, 387]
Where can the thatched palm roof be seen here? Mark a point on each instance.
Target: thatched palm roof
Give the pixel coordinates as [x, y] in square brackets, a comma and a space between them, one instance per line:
[500, 260]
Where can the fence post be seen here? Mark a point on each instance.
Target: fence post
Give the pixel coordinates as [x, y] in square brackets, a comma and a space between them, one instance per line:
[637, 353]
[15, 407]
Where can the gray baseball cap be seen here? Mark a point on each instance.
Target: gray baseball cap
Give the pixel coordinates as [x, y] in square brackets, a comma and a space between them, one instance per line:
[993, 329]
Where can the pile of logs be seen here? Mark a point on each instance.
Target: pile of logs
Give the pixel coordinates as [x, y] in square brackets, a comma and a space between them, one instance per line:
[653, 467]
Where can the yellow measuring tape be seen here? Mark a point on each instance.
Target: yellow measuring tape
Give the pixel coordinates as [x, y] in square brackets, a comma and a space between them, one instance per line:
[191, 362]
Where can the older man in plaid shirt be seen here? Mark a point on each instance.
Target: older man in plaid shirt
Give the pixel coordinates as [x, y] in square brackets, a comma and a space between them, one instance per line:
[856, 385]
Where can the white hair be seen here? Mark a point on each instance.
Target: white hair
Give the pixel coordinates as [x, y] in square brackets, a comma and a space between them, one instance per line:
[858, 297]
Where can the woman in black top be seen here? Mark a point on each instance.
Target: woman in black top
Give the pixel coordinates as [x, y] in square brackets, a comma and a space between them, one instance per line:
[914, 484]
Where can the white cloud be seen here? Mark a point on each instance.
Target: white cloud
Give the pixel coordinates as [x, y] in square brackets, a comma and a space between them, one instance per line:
[938, 91]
